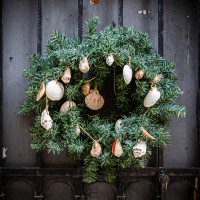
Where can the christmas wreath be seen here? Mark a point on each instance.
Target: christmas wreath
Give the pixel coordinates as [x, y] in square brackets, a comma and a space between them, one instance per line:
[107, 99]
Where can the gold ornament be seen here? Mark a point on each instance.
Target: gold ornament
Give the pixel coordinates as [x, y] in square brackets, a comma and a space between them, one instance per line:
[84, 65]
[94, 100]
[54, 90]
[117, 148]
[66, 76]
[96, 149]
[67, 106]
[86, 89]
[139, 74]
[41, 91]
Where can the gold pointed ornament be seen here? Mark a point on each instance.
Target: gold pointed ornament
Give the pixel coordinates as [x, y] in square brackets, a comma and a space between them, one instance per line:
[110, 60]
[96, 149]
[41, 91]
[140, 149]
[54, 90]
[84, 65]
[67, 106]
[66, 76]
[117, 149]
[153, 95]
[94, 100]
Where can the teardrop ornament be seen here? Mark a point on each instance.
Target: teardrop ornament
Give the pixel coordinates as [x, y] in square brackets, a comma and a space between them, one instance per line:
[146, 134]
[127, 74]
[41, 91]
[140, 149]
[67, 106]
[94, 100]
[66, 76]
[96, 149]
[54, 90]
[117, 148]
[152, 97]
[46, 120]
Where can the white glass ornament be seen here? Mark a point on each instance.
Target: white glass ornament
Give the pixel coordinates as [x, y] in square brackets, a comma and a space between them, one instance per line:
[110, 60]
[127, 74]
[54, 90]
[46, 120]
[67, 106]
[152, 97]
[140, 149]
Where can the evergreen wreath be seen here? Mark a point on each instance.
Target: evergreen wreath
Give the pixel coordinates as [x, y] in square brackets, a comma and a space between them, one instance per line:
[115, 129]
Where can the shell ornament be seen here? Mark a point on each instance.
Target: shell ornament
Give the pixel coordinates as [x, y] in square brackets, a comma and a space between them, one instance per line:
[117, 148]
[96, 149]
[152, 97]
[139, 74]
[118, 124]
[78, 130]
[86, 89]
[110, 60]
[67, 106]
[46, 120]
[41, 91]
[94, 100]
[127, 74]
[84, 65]
[66, 76]
[140, 149]
[54, 90]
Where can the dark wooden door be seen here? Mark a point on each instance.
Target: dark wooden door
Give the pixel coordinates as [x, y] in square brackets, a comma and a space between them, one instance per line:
[26, 26]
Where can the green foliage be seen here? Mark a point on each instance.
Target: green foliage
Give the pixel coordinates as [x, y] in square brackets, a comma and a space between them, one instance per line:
[123, 101]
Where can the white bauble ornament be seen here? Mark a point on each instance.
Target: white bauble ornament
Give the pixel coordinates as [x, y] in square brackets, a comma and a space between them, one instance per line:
[140, 149]
[127, 74]
[67, 106]
[46, 120]
[110, 60]
[54, 90]
[84, 65]
[66, 76]
[94, 100]
[117, 148]
[152, 97]
[96, 149]
[118, 124]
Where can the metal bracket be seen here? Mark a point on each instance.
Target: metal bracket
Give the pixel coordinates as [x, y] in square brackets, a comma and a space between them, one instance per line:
[38, 196]
[121, 197]
[164, 180]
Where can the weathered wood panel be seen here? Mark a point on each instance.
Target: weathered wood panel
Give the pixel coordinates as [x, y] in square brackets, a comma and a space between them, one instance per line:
[181, 46]
[19, 41]
[61, 15]
[142, 15]
[106, 10]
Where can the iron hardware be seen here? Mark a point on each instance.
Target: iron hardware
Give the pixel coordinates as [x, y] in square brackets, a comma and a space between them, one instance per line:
[164, 180]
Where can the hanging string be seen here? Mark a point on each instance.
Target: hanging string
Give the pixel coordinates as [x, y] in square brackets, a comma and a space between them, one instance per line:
[47, 103]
